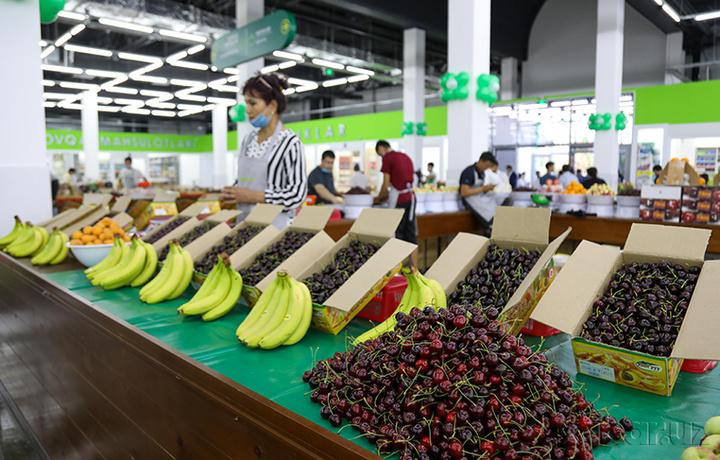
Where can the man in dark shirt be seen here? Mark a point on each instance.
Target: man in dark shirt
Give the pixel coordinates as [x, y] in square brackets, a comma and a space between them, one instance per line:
[512, 176]
[475, 193]
[397, 189]
[550, 166]
[320, 181]
[592, 178]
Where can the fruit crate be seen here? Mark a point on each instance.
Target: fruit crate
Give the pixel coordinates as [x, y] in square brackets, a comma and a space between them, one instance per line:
[383, 305]
[698, 366]
[537, 329]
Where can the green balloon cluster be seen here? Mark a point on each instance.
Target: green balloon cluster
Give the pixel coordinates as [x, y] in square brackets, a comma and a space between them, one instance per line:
[407, 128]
[237, 113]
[600, 121]
[488, 87]
[421, 129]
[454, 87]
[620, 121]
[49, 10]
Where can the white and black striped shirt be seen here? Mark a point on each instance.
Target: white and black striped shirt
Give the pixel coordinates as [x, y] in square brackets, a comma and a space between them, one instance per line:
[286, 178]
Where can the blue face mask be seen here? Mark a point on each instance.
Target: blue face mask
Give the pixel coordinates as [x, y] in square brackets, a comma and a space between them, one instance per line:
[260, 121]
[325, 170]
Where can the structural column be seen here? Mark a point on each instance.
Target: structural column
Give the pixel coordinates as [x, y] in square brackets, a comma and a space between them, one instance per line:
[220, 145]
[608, 84]
[247, 11]
[468, 51]
[509, 88]
[674, 56]
[91, 135]
[414, 91]
[24, 165]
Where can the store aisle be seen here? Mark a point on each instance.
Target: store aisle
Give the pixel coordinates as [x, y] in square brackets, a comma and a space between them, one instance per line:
[17, 442]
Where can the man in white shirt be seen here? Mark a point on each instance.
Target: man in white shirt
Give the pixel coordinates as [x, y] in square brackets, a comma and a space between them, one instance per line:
[567, 177]
[359, 179]
[129, 177]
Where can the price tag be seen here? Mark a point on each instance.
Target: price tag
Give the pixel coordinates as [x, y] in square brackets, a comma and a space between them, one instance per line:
[597, 370]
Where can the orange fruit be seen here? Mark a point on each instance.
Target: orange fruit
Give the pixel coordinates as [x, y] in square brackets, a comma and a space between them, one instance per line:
[106, 234]
[126, 238]
[76, 242]
[87, 230]
[114, 226]
[77, 235]
[97, 230]
[88, 238]
[121, 232]
[110, 241]
[107, 221]
[96, 242]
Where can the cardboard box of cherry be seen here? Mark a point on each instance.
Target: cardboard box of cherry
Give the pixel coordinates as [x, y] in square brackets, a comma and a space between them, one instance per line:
[700, 204]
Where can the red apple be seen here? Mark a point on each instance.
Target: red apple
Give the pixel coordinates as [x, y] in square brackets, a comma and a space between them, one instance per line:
[688, 217]
[698, 453]
[673, 204]
[711, 442]
[713, 217]
[645, 214]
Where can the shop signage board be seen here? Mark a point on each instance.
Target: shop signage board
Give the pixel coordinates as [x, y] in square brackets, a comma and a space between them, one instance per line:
[270, 33]
[58, 139]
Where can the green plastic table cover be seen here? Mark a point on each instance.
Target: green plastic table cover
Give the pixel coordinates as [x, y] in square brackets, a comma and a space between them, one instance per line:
[665, 426]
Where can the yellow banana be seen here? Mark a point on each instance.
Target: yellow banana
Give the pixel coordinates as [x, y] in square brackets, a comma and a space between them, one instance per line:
[31, 246]
[275, 316]
[290, 321]
[209, 301]
[111, 259]
[45, 239]
[211, 280]
[257, 311]
[306, 318]
[186, 271]
[63, 251]
[27, 236]
[175, 264]
[16, 231]
[51, 250]
[150, 266]
[230, 300]
[99, 278]
[439, 294]
[161, 277]
[124, 275]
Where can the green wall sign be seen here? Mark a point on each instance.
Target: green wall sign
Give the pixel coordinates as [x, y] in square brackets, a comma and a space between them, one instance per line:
[696, 102]
[273, 32]
[57, 139]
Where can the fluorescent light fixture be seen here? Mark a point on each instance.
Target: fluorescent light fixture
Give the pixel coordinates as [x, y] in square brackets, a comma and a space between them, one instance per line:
[626, 98]
[77, 29]
[396, 72]
[231, 71]
[75, 85]
[659, 2]
[154, 103]
[707, 16]
[119, 90]
[163, 113]
[626, 104]
[180, 82]
[43, 43]
[104, 73]
[302, 89]
[104, 100]
[177, 56]
[195, 49]
[221, 100]
[213, 68]
[560, 104]
[106, 108]
[270, 68]
[190, 97]
[185, 113]
[71, 15]
[63, 39]
[183, 36]
[136, 111]
[189, 65]
[324, 63]
[139, 58]
[357, 78]
[287, 55]
[61, 96]
[671, 12]
[580, 102]
[71, 106]
[150, 79]
[47, 52]
[152, 93]
[300, 82]
[227, 89]
[125, 25]
[208, 107]
[138, 102]
[335, 82]
[287, 64]
[359, 70]
[219, 81]
[189, 107]
[63, 69]
[48, 83]
[289, 91]
[88, 50]
[233, 78]
[48, 105]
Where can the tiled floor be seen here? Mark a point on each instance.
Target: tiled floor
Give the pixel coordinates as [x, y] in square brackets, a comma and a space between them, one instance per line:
[17, 442]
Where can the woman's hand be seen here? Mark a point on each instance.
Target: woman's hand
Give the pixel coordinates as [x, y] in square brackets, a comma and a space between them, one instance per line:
[233, 195]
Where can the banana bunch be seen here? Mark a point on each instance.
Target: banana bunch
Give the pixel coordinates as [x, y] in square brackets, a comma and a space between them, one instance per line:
[29, 242]
[218, 294]
[12, 236]
[125, 265]
[421, 292]
[55, 251]
[173, 279]
[281, 315]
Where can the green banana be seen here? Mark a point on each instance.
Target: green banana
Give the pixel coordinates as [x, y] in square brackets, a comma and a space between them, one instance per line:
[274, 317]
[186, 277]
[121, 258]
[30, 247]
[257, 311]
[45, 239]
[16, 231]
[160, 278]
[124, 275]
[150, 265]
[63, 251]
[211, 280]
[208, 301]
[291, 320]
[306, 318]
[51, 250]
[230, 300]
[127, 254]
[111, 259]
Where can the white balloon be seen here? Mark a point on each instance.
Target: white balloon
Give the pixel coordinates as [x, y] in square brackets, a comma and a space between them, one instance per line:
[452, 83]
[495, 87]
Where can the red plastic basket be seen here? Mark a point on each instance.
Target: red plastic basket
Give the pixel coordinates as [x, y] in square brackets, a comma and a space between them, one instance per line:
[698, 366]
[538, 329]
[383, 305]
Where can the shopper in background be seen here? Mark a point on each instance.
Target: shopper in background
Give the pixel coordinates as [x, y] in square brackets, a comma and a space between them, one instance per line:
[704, 177]
[567, 177]
[592, 178]
[657, 170]
[321, 182]
[550, 166]
[359, 180]
[477, 192]
[521, 181]
[271, 163]
[70, 177]
[129, 176]
[580, 176]
[536, 182]
[502, 183]
[397, 190]
[430, 178]
[512, 176]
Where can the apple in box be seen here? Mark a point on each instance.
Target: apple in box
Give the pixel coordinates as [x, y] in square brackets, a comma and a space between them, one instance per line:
[647, 202]
[673, 204]
[688, 217]
[690, 191]
[716, 195]
[698, 453]
[645, 214]
[716, 207]
[713, 217]
[690, 204]
[711, 442]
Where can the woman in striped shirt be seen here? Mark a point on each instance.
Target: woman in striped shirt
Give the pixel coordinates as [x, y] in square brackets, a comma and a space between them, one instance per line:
[271, 165]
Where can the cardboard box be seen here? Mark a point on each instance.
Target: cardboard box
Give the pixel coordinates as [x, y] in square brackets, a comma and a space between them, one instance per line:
[122, 203]
[526, 228]
[162, 205]
[674, 174]
[97, 213]
[211, 203]
[569, 302]
[700, 204]
[375, 226]
[50, 223]
[219, 230]
[97, 199]
[190, 211]
[311, 220]
[660, 203]
[123, 220]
